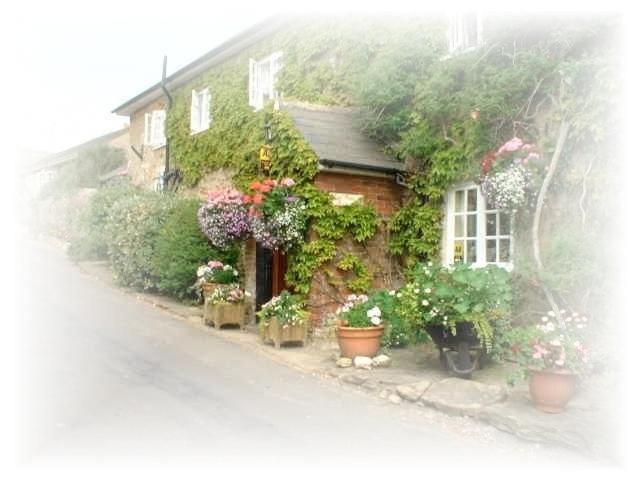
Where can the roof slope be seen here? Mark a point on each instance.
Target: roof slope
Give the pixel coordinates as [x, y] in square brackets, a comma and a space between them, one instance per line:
[335, 137]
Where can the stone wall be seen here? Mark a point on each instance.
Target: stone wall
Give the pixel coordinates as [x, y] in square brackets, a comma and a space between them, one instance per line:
[143, 172]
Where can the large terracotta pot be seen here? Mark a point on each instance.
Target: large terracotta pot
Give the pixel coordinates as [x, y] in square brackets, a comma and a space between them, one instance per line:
[354, 342]
[551, 390]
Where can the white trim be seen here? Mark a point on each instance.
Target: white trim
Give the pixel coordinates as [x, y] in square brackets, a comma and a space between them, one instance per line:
[154, 126]
[263, 76]
[458, 32]
[480, 237]
[200, 110]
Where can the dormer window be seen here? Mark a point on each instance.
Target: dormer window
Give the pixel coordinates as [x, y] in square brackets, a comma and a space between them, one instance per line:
[465, 32]
[200, 110]
[262, 79]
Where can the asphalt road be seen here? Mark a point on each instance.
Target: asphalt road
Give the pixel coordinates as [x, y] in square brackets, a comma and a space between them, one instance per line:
[108, 380]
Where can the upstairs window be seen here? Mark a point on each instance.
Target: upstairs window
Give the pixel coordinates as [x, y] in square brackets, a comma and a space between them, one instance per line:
[200, 110]
[476, 232]
[465, 32]
[262, 79]
[154, 128]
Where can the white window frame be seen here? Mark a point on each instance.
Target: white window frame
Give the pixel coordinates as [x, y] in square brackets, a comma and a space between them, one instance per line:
[158, 180]
[481, 237]
[458, 32]
[263, 76]
[200, 110]
[154, 128]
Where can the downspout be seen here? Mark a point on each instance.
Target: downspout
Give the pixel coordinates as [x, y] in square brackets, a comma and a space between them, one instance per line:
[165, 177]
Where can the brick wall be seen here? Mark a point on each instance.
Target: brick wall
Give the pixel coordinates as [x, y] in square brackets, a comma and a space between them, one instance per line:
[383, 192]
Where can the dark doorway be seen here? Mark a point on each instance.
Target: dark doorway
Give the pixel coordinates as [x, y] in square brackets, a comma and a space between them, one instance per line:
[270, 270]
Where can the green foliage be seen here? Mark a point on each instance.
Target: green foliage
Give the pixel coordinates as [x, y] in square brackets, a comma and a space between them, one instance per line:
[84, 171]
[286, 309]
[305, 260]
[133, 227]
[361, 281]
[396, 332]
[447, 296]
[180, 248]
[89, 242]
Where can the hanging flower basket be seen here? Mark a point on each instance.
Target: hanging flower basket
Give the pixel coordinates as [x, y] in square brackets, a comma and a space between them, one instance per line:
[224, 218]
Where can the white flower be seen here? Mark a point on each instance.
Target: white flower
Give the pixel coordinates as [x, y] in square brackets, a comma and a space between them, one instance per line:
[545, 319]
[425, 302]
[392, 293]
[374, 312]
[416, 290]
[551, 313]
[351, 298]
[376, 320]
[399, 295]
[430, 264]
[427, 290]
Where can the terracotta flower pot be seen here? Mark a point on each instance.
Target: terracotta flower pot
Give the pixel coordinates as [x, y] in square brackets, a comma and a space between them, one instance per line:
[551, 390]
[356, 342]
[208, 288]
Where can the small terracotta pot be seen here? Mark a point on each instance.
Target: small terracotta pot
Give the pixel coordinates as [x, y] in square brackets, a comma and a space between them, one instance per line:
[551, 390]
[356, 342]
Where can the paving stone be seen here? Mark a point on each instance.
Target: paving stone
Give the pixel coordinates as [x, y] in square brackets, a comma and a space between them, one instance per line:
[344, 362]
[462, 397]
[363, 362]
[353, 379]
[395, 399]
[413, 391]
[382, 361]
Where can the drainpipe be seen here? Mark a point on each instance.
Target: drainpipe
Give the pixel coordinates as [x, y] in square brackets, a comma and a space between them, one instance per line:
[165, 177]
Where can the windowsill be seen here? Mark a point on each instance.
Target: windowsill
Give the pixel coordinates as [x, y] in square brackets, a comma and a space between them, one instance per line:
[196, 132]
[158, 147]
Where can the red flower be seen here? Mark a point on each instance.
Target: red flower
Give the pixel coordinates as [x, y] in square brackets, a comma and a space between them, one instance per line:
[270, 182]
[255, 185]
[487, 161]
[258, 198]
[264, 188]
[246, 199]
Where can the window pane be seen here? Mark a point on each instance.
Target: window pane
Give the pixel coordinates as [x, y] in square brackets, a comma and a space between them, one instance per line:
[459, 225]
[491, 251]
[458, 251]
[491, 224]
[471, 225]
[471, 251]
[505, 224]
[472, 200]
[504, 250]
[459, 202]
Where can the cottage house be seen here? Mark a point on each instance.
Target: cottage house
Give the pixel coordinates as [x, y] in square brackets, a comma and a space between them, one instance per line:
[307, 87]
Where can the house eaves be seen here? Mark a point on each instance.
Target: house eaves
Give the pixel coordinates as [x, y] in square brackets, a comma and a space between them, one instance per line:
[210, 59]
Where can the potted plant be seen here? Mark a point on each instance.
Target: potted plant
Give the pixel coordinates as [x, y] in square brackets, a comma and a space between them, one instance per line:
[283, 319]
[225, 306]
[459, 307]
[359, 327]
[278, 217]
[213, 275]
[553, 356]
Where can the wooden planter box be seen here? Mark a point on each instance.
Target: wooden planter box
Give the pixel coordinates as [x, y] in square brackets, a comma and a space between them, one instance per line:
[279, 334]
[224, 314]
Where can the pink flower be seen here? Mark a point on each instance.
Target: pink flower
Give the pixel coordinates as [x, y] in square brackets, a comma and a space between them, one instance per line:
[511, 146]
[215, 264]
[287, 182]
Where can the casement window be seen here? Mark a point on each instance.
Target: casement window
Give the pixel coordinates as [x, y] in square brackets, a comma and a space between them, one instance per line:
[465, 32]
[154, 128]
[475, 232]
[263, 75]
[200, 110]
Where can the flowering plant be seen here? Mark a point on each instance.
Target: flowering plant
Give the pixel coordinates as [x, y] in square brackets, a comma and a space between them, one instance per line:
[554, 343]
[224, 218]
[287, 309]
[443, 295]
[278, 217]
[227, 294]
[507, 180]
[216, 272]
[360, 311]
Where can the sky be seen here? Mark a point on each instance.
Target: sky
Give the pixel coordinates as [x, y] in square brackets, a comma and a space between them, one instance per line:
[74, 62]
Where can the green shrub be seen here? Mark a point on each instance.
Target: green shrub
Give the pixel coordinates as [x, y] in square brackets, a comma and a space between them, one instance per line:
[132, 229]
[180, 248]
[89, 240]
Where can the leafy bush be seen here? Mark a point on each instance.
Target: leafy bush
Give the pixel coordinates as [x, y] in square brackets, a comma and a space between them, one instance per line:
[447, 295]
[89, 241]
[132, 228]
[180, 248]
